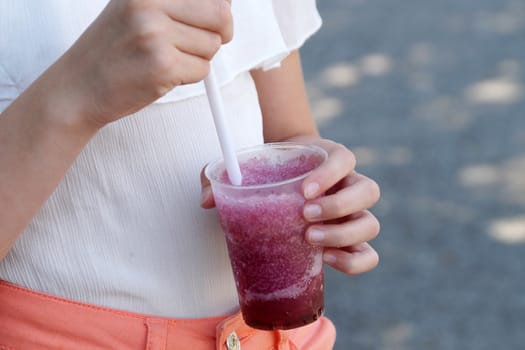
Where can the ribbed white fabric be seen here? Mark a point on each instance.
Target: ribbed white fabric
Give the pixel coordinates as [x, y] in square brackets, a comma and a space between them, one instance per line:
[124, 228]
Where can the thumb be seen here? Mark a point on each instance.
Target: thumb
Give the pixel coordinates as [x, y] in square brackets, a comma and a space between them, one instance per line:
[207, 201]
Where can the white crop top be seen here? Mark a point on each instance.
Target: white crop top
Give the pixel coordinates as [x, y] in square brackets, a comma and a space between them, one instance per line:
[124, 228]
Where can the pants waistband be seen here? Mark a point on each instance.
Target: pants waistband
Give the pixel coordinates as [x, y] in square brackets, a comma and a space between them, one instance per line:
[34, 320]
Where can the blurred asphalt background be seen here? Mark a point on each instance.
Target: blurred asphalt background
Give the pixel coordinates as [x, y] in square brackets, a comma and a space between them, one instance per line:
[431, 97]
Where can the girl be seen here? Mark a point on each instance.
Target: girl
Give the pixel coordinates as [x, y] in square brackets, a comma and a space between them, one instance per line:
[104, 131]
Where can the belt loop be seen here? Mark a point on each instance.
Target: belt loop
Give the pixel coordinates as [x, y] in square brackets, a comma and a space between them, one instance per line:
[283, 340]
[157, 330]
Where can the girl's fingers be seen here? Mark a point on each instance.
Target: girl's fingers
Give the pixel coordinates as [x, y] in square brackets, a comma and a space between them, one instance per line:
[339, 164]
[211, 15]
[360, 227]
[352, 260]
[192, 40]
[207, 200]
[358, 193]
[175, 59]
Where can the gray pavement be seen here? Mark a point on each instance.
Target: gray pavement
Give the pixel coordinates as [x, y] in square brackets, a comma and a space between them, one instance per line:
[431, 97]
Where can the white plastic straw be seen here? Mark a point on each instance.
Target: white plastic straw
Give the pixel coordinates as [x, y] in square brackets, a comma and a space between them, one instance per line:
[223, 132]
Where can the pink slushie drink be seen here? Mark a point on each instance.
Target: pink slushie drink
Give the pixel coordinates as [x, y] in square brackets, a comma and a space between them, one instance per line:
[279, 275]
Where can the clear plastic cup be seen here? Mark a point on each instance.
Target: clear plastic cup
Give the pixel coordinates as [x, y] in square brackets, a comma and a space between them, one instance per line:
[279, 276]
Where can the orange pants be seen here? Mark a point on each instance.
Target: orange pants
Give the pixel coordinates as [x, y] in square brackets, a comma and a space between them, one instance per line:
[36, 321]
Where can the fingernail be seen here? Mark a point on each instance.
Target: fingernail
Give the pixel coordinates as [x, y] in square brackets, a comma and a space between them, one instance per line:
[312, 211]
[205, 194]
[311, 190]
[329, 258]
[315, 235]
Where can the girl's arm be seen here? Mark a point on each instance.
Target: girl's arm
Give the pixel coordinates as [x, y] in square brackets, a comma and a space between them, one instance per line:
[133, 53]
[283, 100]
[348, 225]
[38, 143]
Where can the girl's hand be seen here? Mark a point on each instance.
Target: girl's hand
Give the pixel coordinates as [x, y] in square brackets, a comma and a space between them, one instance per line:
[138, 50]
[347, 225]
[340, 220]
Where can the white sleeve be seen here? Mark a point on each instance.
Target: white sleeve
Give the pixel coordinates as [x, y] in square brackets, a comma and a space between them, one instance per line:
[297, 19]
[265, 32]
